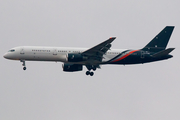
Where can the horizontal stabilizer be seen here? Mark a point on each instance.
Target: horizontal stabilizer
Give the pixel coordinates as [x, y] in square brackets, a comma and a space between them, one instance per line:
[163, 52]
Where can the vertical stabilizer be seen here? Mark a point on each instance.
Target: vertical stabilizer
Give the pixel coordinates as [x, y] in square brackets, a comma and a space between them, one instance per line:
[160, 41]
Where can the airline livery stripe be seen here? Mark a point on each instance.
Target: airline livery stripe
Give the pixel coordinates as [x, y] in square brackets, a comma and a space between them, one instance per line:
[126, 55]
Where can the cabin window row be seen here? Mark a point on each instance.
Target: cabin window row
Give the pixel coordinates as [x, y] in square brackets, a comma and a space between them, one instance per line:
[41, 50]
[112, 53]
[70, 51]
[61, 51]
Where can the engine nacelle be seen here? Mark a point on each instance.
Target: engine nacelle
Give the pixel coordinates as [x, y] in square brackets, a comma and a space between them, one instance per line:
[72, 67]
[75, 57]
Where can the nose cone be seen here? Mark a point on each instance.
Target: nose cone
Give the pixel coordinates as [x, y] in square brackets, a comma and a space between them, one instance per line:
[6, 56]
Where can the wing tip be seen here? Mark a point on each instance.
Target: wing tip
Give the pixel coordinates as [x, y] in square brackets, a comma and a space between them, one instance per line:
[170, 26]
[112, 38]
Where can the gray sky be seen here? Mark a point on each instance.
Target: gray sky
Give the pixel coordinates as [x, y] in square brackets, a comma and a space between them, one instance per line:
[44, 92]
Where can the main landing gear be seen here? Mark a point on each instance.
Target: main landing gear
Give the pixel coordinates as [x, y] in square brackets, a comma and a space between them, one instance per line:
[90, 67]
[24, 64]
[89, 73]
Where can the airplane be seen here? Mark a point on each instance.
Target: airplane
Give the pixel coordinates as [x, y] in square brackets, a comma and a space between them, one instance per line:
[75, 58]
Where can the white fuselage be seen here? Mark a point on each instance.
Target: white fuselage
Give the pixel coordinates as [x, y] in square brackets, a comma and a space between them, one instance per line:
[75, 58]
[57, 54]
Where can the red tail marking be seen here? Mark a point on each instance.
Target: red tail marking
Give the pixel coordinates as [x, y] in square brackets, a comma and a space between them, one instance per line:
[125, 55]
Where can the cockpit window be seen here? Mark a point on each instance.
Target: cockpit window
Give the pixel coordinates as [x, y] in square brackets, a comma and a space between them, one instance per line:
[11, 50]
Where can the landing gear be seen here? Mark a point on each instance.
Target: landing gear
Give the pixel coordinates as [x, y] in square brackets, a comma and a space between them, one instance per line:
[24, 68]
[94, 68]
[91, 67]
[89, 73]
[24, 64]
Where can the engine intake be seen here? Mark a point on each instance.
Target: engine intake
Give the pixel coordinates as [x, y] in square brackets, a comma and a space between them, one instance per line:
[72, 67]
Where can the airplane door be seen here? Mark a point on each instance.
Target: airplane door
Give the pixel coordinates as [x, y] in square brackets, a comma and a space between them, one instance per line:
[22, 51]
[142, 54]
[55, 52]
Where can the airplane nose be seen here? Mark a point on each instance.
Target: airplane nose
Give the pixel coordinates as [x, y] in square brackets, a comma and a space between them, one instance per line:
[5, 56]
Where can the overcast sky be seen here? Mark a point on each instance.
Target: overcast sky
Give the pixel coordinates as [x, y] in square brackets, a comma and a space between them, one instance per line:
[44, 92]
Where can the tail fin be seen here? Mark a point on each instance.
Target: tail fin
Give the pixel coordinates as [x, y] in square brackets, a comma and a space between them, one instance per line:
[160, 41]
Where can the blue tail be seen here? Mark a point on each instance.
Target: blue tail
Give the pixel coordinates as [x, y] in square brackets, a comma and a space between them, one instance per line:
[159, 42]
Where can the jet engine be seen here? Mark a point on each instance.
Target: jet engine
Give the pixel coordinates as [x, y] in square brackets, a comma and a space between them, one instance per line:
[75, 57]
[72, 67]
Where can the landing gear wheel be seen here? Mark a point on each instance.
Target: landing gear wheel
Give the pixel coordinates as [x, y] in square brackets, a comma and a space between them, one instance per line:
[91, 73]
[94, 68]
[87, 73]
[24, 68]
[24, 65]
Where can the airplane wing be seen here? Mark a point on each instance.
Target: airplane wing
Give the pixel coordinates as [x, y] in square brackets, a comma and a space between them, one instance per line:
[96, 52]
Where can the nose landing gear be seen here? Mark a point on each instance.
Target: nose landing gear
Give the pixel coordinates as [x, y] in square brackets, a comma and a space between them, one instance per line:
[24, 68]
[24, 64]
